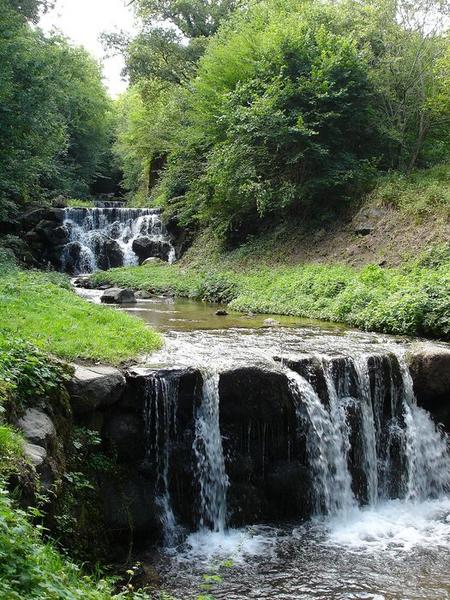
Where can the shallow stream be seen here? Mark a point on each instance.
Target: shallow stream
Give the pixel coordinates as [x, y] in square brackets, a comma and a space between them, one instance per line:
[389, 549]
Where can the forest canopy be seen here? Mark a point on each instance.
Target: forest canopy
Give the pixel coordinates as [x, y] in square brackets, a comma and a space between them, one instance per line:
[55, 114]
[279, 106]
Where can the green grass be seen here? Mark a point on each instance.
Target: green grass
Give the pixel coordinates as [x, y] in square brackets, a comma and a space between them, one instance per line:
[413, 300]
[39, 308]
[75, 203]
[421, 193]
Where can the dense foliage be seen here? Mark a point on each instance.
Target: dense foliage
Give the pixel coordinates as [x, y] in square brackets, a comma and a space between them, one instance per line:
[54, 113]
[287, 107]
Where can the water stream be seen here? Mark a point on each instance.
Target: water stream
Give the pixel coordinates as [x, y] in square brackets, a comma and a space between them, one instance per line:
[379, 468]
[100, 238]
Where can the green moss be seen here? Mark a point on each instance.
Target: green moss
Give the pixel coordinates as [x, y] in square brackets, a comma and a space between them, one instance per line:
[39, 308]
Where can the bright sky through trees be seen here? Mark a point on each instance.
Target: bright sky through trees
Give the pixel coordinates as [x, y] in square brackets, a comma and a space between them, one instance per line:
[84, 20]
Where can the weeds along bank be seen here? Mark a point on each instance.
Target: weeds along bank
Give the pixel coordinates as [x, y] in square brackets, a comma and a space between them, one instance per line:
[413, 299]
[42, 320]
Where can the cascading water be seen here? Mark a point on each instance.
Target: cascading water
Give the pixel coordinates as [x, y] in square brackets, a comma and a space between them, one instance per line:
[160, 418]
[103, 237]
[404, 454]
[212, 477]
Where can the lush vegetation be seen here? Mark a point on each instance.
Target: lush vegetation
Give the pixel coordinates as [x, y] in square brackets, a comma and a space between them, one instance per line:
[414, 299]
[41, 308]
[31, 565]
[278, 107]
[55, 114]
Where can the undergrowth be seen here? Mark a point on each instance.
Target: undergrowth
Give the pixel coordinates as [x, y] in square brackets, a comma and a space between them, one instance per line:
[413, 299]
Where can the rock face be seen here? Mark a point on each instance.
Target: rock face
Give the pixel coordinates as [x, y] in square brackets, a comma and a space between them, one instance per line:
[144, 248]
[45, 234]
[264, 452]
[93, 387]
[430, 370]
[118, 296]
[37, 427]
[110, 255]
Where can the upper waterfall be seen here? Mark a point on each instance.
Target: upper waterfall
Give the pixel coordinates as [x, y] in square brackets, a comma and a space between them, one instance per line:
[101, 238]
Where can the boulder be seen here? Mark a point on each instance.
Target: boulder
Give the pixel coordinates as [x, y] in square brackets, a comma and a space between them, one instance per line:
[72, 253]
[128, 506]
[145, 247]
[35, 454]
[37, 427]
[429, 366]
[221, 312]
[93, 387]
[33, 217]
[118, 296]
[152, 260]
[367, 219]
[110, 255]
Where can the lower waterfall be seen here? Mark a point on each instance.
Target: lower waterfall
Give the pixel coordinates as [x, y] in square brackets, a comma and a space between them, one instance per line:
[160, 418]
[210, 464]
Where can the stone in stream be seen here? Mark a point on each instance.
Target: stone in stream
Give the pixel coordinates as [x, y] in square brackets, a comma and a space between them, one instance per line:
[271, 322]
[152, 260]
[118, 296]
[221, 312]
[92, 387]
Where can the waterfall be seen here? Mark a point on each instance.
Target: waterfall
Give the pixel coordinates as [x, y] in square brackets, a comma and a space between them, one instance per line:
[100, 238]
[208, 451]
[367, 440]
[327, 442]
[160, 414]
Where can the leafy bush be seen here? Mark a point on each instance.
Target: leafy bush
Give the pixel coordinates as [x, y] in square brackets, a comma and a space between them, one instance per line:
[33, 569]
[29, 372]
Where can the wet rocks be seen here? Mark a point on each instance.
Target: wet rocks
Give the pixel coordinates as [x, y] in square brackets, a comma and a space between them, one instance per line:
[110, 255]
[118, 296]
[93, 387]
[146, 247]
[257, 413]
[429, 366]
[221, 312]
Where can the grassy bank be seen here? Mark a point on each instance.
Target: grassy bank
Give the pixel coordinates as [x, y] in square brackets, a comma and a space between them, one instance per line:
[42, 309]
[413, 299]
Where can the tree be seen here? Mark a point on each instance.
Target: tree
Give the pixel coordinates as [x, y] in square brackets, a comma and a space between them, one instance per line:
[53, 113]
[31, 9]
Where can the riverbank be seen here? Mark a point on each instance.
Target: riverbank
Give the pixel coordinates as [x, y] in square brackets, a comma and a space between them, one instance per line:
[41, 308]
[412, 299]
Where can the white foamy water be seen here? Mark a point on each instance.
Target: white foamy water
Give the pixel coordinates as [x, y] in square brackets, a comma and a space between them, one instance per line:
[394, 525]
